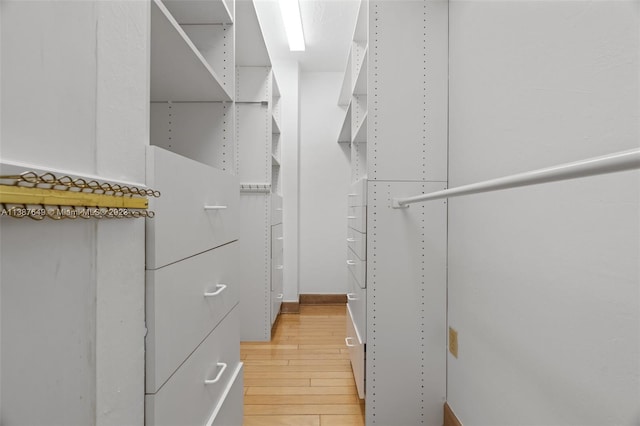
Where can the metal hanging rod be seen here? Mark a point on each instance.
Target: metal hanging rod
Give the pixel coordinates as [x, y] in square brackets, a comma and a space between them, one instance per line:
[616, 162]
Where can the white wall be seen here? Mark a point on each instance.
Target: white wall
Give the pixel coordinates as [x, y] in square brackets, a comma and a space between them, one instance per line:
[324, 180]
[75, 100]
[287, 74]
[543, 281]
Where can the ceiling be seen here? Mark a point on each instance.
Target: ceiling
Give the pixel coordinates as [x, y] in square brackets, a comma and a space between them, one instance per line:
[328, 27]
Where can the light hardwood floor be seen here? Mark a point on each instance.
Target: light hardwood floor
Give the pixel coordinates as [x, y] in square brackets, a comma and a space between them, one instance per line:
[303, 376]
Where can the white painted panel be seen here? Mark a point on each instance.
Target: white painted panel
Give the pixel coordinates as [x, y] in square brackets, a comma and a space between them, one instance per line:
[406, 312]
[543, 280]
[253, 136]
[48, 314]
[356, 354]
[250, 46]
[49, 92]
[179, 315]
[200, 131]
[253, 84]
[215, 43]
[230, 410]
[407, 134]
[182, 227]
[254, 267]
[185, 399]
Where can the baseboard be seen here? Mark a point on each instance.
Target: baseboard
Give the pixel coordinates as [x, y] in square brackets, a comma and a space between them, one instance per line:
[323, 299]
[450, 418]
[290, 308]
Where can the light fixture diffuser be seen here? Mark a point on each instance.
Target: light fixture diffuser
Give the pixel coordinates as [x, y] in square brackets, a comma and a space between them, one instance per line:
[290, 10]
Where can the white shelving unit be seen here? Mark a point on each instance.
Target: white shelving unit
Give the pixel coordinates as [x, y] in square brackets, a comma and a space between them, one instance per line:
[258, 162]
[179, 72]
[396, 302]
[192, 284]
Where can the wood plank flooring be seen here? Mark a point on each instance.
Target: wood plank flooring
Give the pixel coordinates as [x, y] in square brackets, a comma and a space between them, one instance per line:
[303, 376]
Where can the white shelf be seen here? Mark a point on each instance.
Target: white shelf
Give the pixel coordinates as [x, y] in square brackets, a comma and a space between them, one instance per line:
[178, 70]
[199, 11]
[275, 92]
[361, 30]
[360, 86]
[345, 91]
[275, 126]
[275, 161]
[345, 131]
[360, 135]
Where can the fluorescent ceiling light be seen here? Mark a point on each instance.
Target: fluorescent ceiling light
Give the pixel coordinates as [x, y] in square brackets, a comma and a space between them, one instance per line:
[293, 24]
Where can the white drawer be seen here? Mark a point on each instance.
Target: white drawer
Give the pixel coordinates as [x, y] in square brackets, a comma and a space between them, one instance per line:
[356, 354]
[277, 240]
[277, 280]
[186, 399]
[357, 267]
[179, 315]
[182, 227]
[230, 409]
[358, 193]
[357, 301]
[357, 218]
[357, 242]
[276, 209]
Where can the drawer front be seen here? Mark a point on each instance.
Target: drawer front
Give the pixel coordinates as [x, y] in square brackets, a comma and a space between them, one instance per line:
[179, 315]
[357, 218]
[357, 242]
[230, 410]
[356, 354]
[277, 240]
[358, 193]
[357, 302]
[186, 399]
[357, 267]
[198, 209]
[276, 209]
[277, 280]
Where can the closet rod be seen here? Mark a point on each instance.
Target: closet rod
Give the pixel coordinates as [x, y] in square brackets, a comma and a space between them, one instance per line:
[610, 163]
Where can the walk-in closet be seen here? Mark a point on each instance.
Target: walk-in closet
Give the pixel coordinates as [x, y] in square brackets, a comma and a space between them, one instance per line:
[319, 212]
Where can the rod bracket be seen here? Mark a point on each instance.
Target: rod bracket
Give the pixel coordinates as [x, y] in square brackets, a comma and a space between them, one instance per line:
[396, 205]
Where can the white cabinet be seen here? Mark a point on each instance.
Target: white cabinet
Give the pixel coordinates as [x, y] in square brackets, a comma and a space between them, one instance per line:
[198, 209]
[193, 368]
[185, 301]
[258, 160]
[192, 393]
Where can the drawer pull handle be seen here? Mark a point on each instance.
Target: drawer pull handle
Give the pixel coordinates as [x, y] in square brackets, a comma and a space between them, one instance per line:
[279, 210]
[351, 262]
[352, 195]
[224, 367]
[352, 217]
[280, 267]
[280, 238]
[347, 340]
[220, 289]
[215, 207]
[351, 240]
[351, 296]
[280, 296]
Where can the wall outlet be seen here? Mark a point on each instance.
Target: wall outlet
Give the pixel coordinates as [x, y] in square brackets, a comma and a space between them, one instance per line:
[453, 342]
